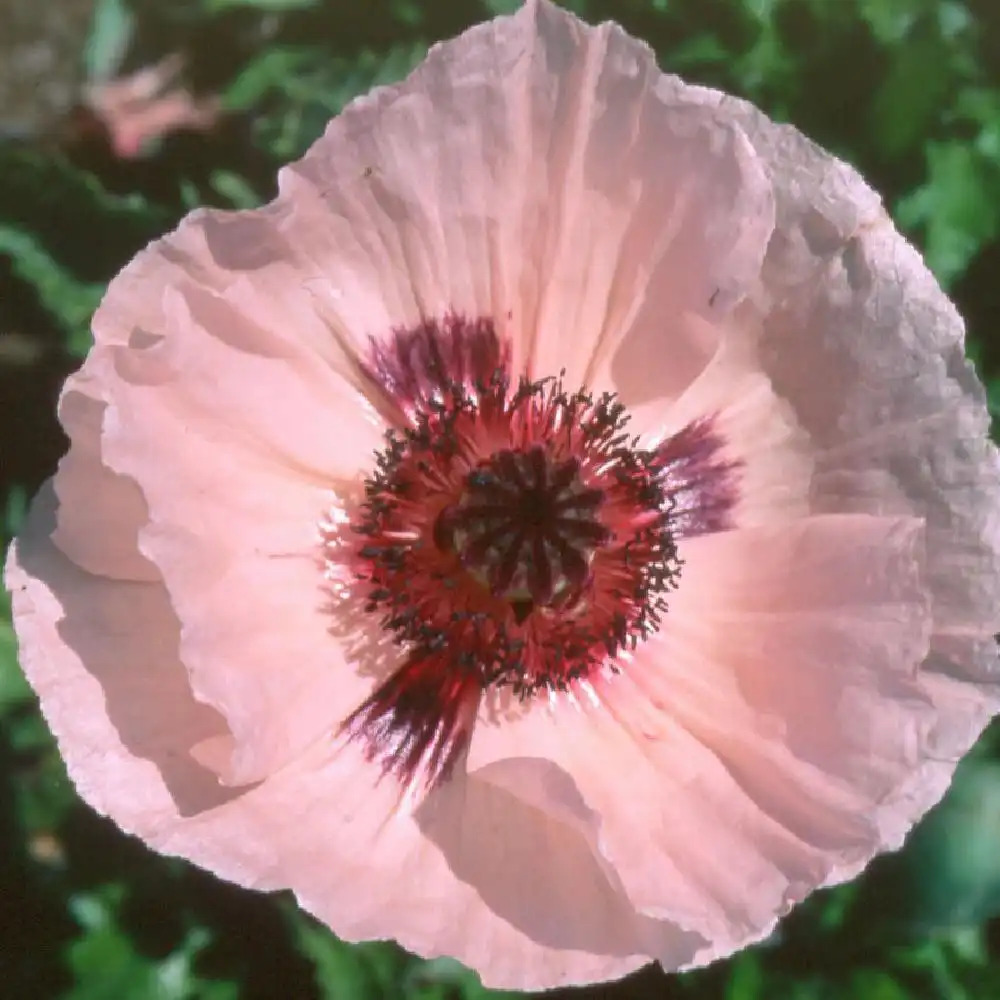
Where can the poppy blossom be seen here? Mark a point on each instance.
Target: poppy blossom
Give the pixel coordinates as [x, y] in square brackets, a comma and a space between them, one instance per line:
[557, 532]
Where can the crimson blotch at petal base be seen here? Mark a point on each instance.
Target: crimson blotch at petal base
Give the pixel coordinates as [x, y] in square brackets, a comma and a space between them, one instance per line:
[559, 531]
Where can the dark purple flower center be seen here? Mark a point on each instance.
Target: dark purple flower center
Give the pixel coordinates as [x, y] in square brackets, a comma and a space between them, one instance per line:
[526, 525]
[512, 535]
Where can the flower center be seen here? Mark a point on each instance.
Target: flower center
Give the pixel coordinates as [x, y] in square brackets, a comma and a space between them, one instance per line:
[512, 535]
[518, 529]
[526, 525]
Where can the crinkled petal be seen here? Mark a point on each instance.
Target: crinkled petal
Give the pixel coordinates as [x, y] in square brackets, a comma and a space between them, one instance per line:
[476, 873]
[102, 655]
[764, 730]
[240, 440]
[773, 457]
[529, 172]
[99, 512]
[867, 350]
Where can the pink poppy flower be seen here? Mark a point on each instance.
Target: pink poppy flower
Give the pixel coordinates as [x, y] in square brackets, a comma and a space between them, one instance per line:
[558, 532]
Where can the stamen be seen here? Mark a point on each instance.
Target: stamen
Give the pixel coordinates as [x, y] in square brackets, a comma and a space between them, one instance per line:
[512, 535]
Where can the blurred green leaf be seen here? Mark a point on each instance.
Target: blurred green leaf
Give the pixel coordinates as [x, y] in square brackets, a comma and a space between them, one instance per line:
[836, 904]
[110, 34]
[408, 12]
[45, 794]
[106, 965]
[957, 209]
[15, 510]
[234, 189]
[993, 397]
[190, 195]
[268, 71]
[911, 96]
[446, 979]
[746, 980]
[953, 18]
[269, 6]
[382, 970]
[498, 7]
[340, 972]
[13, 686]
[42, 792]
[953, 857]
[890, 20]
[66, 235]
[874, 984]
[768, 65]
[762, 10]
[700, 50]
[296, 92]
[70, 301]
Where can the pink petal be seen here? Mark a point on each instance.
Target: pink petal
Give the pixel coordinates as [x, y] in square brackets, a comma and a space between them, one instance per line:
[101, 654]
[104, 657]
[760, 430]
[762, 736]
[862, 343]
[99, 512]
[241, 438]
[519, 173]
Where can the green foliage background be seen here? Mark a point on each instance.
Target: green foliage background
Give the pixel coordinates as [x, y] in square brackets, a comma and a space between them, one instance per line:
[907, 90]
